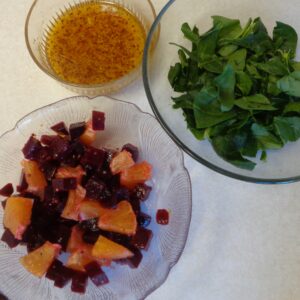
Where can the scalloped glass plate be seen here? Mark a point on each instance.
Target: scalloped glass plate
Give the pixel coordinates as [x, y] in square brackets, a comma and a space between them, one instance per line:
[125, 123]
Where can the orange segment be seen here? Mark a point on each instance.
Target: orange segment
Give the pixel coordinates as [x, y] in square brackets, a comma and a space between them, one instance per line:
[38, 261]
[90, 209]
[139, 173]
[122, 219]
[69, 172]
[107, 249]
[78, 259]
[75, 241]
[75, 197]
[34, 177]
[122, 161]
[89, 135]
[17, 215]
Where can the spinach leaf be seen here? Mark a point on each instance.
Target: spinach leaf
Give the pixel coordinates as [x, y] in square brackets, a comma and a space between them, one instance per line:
[273, 66]
[189, 33]
[244, 83]
[285, 38]
[207, 44]
[265, 139]
[226, 84]
[238, 59]
[290, 84]
[288, 128]
[292, 107]
[229, 28]
[255, 102]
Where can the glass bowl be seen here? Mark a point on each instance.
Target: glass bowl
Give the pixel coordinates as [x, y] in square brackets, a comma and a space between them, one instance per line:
[42, 14]
[283, 165]
[125, 123]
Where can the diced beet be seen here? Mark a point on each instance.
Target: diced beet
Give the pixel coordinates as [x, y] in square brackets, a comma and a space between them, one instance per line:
[76, 130]
[3, 203]
[54, 269]
[91, 224]
[118, 238]
[136, 206]
[47, 139]
[49, 168]
[64, 184]
[135, 260]
[9, 239]
[63, 277]
[141, 192]
[142, 238]
[98, 190]
[7, 190]
[143, 219]
[79, 281]
[31, 148]
[90, 237]
[59, 147]
[23, 185]
[108, 156]
[98, 120]
[60, 234]
[60, 128]
[104, 174]
[93, 158]
[96, 274]
[32, 238]
[121, 194]
[73, 156]
[162, 217]
[133, 150]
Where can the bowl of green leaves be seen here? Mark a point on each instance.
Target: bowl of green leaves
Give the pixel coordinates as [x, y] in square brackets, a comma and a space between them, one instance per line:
[224, 82]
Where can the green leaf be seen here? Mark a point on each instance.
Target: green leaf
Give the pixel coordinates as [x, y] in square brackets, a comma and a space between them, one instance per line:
[229, 28]
[189, 34]
[174, 73]
[292, 107]
[226, 84]
[212, 64]
[207, 111]
[273, 66]
[184, 101]
[265, 139]
[254, 102]
[207, 45]
[295, 65]
[290, 84]
[263, 156]
[198, 134]
[252, 71]
[227, 50]
[182, 58]
[244, 83]
[285, 38]
[272, 88]
[288, 128]
[225, 147]
[238, 59]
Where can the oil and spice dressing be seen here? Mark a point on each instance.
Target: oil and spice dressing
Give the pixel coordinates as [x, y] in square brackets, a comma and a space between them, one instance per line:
[95, 42]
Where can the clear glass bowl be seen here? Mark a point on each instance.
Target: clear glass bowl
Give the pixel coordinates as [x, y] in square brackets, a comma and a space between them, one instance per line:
[125, 123]
[43, 12]
[282, 166]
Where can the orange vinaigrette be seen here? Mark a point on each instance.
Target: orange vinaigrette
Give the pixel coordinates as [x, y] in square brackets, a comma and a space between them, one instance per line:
[95, 42]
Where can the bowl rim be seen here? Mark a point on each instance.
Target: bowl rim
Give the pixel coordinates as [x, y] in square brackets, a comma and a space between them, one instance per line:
[169, 265]
[173, 136]
[127, 78]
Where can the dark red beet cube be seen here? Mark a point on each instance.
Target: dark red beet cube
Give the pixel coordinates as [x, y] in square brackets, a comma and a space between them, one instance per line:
[96, 274]
[64, 184]
[98, 190]
[135, 260]
[136, 206]
[60, 128]
[121, 194]
[143, 219]
[79, 282]
[64, 276]
[31, 148]
[98, 120]
[76, 130]
[93, 158]
[7, 190]
[59, 146]
[133, 150]
[141, 192]
[142, 238]
[9, 239]
[54, 270]
[162, 217]
[43, 155]
[49, 168]
[47, 139]
[73, 155]
[60, 234]
[23, 184]
[90, 224]
[3, 203]
[90, 237]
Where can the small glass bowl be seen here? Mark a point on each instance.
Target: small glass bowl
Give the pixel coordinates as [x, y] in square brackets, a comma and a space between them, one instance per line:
[43, 12]
[124, 123]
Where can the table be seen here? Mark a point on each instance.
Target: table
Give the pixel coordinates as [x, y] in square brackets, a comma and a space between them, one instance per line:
[244, 241]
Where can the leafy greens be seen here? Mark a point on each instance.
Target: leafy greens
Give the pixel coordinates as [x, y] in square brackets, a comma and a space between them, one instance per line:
[239, 87]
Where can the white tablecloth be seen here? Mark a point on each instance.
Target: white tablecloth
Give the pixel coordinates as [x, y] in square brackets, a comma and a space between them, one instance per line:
[244, 240]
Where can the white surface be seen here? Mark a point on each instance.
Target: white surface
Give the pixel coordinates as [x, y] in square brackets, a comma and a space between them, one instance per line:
[244, 241]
